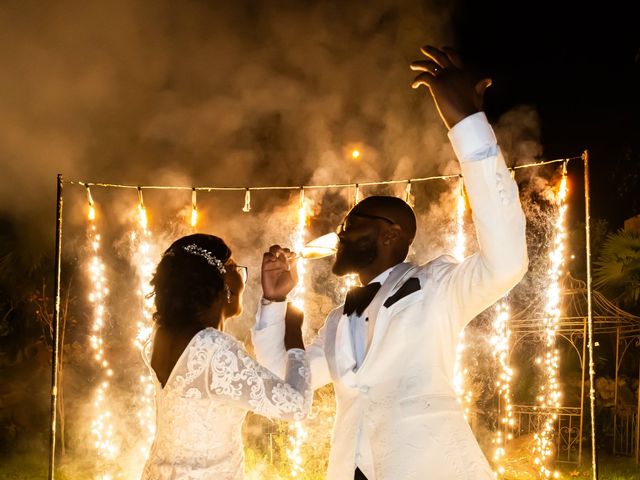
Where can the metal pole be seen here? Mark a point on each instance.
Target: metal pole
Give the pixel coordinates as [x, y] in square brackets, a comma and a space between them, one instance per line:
[638, 421]
[615, 391]
[592, 392]
[55, 330]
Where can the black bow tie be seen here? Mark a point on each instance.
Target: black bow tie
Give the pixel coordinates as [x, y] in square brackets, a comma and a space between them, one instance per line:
[359, 298]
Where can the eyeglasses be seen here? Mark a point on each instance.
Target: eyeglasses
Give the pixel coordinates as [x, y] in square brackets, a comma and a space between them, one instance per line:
[244, 272]
[241, 269]
[346, 223]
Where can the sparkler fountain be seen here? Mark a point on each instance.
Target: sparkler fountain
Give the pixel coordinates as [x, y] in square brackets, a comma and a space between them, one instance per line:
[549, 396]
[102, 429]
[500, 346]
[143, 261]
[351, 280]
[465, 395]
[194, 209]
[297, 431]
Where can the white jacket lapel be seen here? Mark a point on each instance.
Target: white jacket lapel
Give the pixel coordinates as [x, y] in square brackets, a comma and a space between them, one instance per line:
[378, 316]
[344, 355]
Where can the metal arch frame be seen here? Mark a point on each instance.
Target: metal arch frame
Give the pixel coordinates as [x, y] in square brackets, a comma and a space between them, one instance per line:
[573, 327]
[574, 335]
[627, 341]
[57, 271]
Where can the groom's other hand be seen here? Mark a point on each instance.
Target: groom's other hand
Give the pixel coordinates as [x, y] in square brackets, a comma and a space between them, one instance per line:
[293, 328]
[279, 273]
[455, 92]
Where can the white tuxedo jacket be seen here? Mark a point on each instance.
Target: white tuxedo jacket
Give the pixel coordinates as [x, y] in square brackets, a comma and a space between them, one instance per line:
[402, 397]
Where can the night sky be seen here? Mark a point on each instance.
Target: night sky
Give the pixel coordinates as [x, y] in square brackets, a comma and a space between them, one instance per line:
[578, 65]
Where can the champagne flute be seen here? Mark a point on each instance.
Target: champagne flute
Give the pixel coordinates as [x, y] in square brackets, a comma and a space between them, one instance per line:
[320, 247]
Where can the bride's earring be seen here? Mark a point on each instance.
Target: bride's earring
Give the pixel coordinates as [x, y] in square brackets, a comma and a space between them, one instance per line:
[227, 293]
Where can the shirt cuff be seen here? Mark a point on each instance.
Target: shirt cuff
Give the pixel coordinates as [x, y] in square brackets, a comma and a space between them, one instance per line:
[473, 139]
[271, 314]
[296, 352]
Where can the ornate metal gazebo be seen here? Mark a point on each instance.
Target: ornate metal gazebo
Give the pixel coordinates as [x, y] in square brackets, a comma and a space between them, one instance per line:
[608, 319]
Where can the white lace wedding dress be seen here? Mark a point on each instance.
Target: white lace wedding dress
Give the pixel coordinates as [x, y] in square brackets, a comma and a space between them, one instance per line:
[200, 410]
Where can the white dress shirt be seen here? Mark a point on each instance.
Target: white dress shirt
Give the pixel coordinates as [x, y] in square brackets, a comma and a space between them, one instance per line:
[359, 326]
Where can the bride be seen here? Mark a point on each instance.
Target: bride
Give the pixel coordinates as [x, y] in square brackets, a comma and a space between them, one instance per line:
[205, 380]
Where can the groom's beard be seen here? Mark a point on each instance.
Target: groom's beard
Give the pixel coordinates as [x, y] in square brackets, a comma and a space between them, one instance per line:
[353, 256]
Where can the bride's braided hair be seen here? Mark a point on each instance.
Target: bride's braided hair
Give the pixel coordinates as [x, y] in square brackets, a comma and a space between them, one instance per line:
[188, 279]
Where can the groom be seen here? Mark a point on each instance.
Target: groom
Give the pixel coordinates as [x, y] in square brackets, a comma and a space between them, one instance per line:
[390, 349]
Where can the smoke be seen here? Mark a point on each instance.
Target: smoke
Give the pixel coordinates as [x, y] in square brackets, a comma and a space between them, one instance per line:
[518, 132]
[229, 94]
[211, 93]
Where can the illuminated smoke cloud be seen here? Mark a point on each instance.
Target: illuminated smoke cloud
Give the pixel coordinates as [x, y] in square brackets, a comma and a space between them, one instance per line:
[228, 93]
[212, 93]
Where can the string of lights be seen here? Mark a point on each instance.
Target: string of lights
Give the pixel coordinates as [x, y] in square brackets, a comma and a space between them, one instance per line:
[248, 190]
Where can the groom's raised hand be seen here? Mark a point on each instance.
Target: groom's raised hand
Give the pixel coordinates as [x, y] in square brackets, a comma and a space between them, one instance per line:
[279, 273]
[455, 92]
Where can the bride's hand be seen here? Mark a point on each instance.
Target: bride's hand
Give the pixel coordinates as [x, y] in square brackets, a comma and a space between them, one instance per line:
[279, 273]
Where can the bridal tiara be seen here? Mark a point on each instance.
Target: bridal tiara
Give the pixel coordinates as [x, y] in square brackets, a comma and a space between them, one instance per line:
[194, 249]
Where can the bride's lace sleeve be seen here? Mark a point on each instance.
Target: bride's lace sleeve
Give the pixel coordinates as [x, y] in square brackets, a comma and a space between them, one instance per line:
[219, 365]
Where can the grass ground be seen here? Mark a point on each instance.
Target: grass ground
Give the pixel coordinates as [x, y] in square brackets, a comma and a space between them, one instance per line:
[31, 467]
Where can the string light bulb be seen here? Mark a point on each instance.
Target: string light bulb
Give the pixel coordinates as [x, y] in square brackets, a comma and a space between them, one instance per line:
[247, 201]
[142, 211]
[356, 195]
[194, 208]
[408, 197]
[92, 210]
